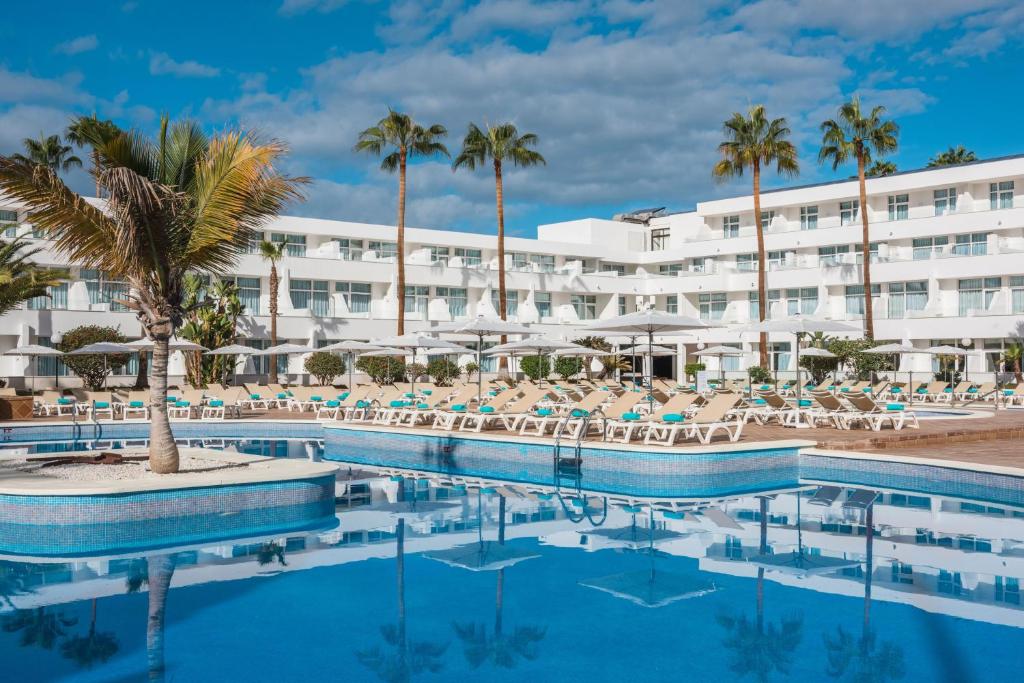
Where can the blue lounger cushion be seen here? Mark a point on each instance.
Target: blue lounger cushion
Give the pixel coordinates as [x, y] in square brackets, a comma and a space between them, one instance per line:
[65, 401]
[948, 390]
[972, 390]
[760, 402]
[672, 417]
[254, 397]
[282, 395]
[182, 404]
[136, 404]
[845, 389]
[101, 404]
[804, 403]
[316, 398]
[896, 390]
[486, 409]
[172, 399]
[866, 390]
[343, 396]
[579, 412]
[895, 406]
[409, 394]
[398, 404]
[362, 404]
[217, 403]
[459, 408]
[544, 412]
[630, 417]
[423, 406]
[333, 404]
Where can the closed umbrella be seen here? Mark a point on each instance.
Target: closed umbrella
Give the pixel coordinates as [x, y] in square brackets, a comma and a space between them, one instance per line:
[351, 348]
[33, 351]
[720, 352]
[413, 342]
[232, 350]
[481, 327]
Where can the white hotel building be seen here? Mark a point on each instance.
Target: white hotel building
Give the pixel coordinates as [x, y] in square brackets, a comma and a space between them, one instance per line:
[947, 247]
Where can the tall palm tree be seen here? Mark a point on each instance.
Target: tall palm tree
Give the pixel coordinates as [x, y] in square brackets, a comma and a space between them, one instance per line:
[20, 278]
[181, 203]
[952, 156]
[755, 142]
[51, 152]
[272, 252]
[880, 169]
[859, 137]
[498, 144]
[89, 131]
[403, 139]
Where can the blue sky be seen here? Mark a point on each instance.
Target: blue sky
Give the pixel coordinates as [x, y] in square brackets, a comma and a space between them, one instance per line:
[627, 96]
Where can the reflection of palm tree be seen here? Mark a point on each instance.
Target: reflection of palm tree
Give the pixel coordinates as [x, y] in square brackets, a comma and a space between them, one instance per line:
[872, 662]
[159, 570]
[38, 627]
[503, 649]
[760, 648]
[86, 650]
[409, 657]
[269, 552]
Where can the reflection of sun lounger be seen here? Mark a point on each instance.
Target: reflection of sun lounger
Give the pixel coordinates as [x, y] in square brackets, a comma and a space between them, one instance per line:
[720, 518]
[860, 499]
[826, 495]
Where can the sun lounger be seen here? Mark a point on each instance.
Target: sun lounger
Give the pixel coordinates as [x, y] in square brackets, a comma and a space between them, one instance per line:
[219, 404]
[775, 407]
[826, 495]
[860, 499]
[55, 403]
[189, 404]
[456, 413]
[136, 405]
[511, 414]
[931, 392]
[666, 423]
[715, 416]
[540, 420]
[260, 396]
[424, 407]
[100, 404]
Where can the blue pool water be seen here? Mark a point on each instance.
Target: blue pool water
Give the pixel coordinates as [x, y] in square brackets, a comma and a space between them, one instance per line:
[423, 579]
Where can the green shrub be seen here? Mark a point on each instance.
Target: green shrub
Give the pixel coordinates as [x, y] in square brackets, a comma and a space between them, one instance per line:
[325, 366]
[442, 371]
[691, 369]
[567, 366]
[535, 367]
[92, 369]
[413, 371]
[382, 369]
[759, 375]
[470, 369]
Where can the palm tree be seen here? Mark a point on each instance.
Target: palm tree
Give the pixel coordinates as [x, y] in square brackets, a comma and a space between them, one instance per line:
[880, 169]
[498, 144]
[754, 142]
[159, 571]
[1012, 358]
[89, 131]
[596, 343]
[407, 139]
[20, 278]
[181, 203]
[38, 627]
[94, 646]
[51, 152]
[272, 252]
[858, 137]
[952, 157]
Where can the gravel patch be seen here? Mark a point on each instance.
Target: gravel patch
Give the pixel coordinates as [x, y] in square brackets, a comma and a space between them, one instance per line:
[129, 471]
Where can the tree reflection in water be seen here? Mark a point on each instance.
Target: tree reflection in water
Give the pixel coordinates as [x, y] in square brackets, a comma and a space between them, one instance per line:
[159, 571]
[93, 647]
[38, 627]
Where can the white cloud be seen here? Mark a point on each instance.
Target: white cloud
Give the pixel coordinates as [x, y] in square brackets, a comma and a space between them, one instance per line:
[161, 64]
[78, 45]
[20, 87]
[303, 6]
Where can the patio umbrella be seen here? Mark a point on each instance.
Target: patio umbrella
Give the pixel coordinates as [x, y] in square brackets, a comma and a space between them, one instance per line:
[538, 345]
[173, 344]
[102, 349]
[814, 352]
[350, 348]
[798, 562]
[799, 325]
[720, 352]
[482, 556]
[481, 327]
[33, 351]
[232, 350]
[946, 350]
[413, 342]
[283, 350]
[897, 350]
[649, 322]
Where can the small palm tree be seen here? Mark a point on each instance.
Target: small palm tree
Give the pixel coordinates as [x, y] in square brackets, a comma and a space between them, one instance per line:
[89, 131]
[405, 139]
[272, 252]
[20, 278]
[1013, 356]
[179, 204]
[498, 144]
[859, 137]
[880, 169]
[952, 157]
[94, 646]
[51, 152]
[755, 142]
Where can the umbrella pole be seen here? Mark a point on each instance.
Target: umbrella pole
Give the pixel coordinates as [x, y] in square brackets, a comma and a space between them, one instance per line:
[650, 377]
[799, 386]
[479, 368]
[540, 368]
[351, 360]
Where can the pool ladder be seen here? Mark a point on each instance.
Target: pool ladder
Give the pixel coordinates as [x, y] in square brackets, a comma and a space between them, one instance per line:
[569, 469]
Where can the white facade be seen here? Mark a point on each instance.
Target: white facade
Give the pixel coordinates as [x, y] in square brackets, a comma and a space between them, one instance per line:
[948, 268]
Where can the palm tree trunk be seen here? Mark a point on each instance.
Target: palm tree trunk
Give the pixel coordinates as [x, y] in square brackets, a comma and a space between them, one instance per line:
[142, 377]
[400, 248]
[760, 571]
[274, 285]
[400, 580]
[160, 569]
[163, 452]
[869, 543]
[96, 169]
[499, 200]
[869, 314]
[762, 282]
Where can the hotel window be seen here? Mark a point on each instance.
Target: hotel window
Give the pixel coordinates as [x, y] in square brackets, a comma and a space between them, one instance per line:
[9, 222]
[753, 299]
[519, 260]
[702, 264]
[311, 294]
[830, 256]
[416, 299]
[776, 260]
[261, 364]
[929, 247]
[731, 226]
[907, 296]
[902, 572]
[976, 294]
[803, 301]
[248, 292]
[746, 262]
[383, 249]
[622, 304]
[672, 304]
[1007, 589]
[849, 212]
[104, 289]
[671, 269]
[57, 299]
[950, 582]
[511, 301]
[351, 250]
[944, 200]
[780, 353]
[659, 239]
[585, 305]
[899, 207]
[712, 305]
[808, 218]
[545, 263]
[855, 298]
[617, 267]
[974, 244]
[439, 255]
[766, 218]
[356, 295]
[470, 257]
[294, 245]
[542, 300]
[1017, 293]
[456, 298]
[1000, 195]
[858, 249]
[49, 366]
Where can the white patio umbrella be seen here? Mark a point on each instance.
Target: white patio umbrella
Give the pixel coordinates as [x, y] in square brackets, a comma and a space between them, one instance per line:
[102, 349]
[537, 345]
[799, 325]
[720, 352]
[351, 348]
[173, 344]
[649, 322]
[414, 342]
[33, 351]
[283, 350]
[232, 350]
[897, 350]
[481, 327]
[946, 350]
